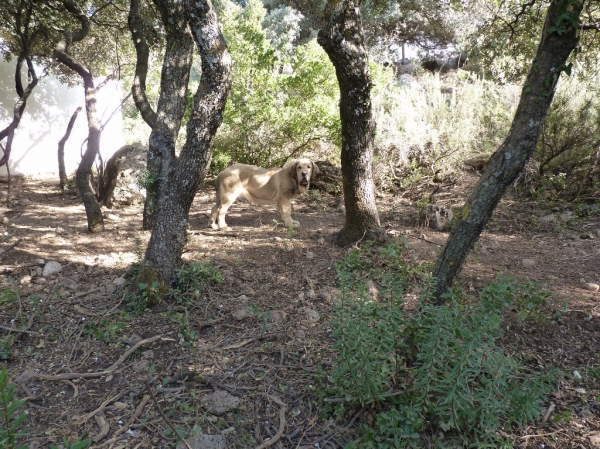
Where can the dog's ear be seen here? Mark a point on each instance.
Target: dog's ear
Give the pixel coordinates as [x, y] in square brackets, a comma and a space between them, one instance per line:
[315, 170]
[292, 170]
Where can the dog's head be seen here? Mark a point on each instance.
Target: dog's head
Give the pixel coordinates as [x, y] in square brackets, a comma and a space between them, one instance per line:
[303, 170]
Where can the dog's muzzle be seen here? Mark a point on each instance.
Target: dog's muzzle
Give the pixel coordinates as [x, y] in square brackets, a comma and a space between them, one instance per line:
[304, 181]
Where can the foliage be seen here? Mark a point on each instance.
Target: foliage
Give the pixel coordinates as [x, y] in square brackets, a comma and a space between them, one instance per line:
[567, 155]
[10, 422]
[438, 371]
[283, 98]
[427, 126]
[191, 280]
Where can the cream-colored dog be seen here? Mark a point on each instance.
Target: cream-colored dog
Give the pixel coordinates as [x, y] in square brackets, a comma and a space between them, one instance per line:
[262, 186]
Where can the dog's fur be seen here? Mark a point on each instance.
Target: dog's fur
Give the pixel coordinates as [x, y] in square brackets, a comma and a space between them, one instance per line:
[262, 186]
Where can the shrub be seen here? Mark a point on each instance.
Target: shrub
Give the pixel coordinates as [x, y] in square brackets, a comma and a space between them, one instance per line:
[283, 100]
[427, 126]
[438, 371]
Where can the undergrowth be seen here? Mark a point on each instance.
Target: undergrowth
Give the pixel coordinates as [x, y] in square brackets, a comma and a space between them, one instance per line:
[436, 377]
[189, 286]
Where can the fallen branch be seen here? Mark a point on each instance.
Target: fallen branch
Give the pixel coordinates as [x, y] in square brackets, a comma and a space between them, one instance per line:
[109, 370]
[22, 331]
[104, 427]
[11, 246]
[138, 412]
[282, 423]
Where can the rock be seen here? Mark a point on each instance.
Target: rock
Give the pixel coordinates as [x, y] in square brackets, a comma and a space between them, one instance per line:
[204, 442]
[566, 216]
[591, 286]
[528, 263]
[51, 268]
[242, 314]
[249, 291]
[40, 262]
[120, 281]
[372, 290]
[25, 280]
[312, 315]
[586, 236]
[276, 316]
[219, 402]
[548, 218]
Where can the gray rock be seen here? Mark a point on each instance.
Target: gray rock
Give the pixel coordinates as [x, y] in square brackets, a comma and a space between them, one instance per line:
[591, 286]
[528, 263]
[205, 442]
[219, 402]
[51, 267]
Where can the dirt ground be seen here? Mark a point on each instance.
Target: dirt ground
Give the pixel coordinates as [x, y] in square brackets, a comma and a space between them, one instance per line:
[260, 339]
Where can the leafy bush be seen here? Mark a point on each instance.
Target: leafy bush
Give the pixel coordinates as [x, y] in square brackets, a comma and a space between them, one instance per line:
[428, 125]
[283, 100]
[567, 158]
[192, 279]
[438, 371]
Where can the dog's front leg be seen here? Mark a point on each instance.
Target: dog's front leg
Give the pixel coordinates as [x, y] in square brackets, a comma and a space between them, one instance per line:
[285, 208]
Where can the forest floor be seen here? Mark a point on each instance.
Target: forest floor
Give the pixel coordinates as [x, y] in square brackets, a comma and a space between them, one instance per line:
[91, 369]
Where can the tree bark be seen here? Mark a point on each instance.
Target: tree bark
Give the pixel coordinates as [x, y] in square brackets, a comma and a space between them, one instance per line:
[180, 176]
[19, 108]
[342, 39]
[62, 173]
[82, 177]
[559, 38]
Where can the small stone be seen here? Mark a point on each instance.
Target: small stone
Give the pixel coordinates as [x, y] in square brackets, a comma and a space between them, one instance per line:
[300, 334]
[120, 281]
[242, 314]
[219, 402]
[591, 286]
[276, 316]
[51, 267]
[548, 218]
[312, 315]
[204, 441]
[40, 262]
[528, 263]
[249, 291]
[25, 280]
[586, 236]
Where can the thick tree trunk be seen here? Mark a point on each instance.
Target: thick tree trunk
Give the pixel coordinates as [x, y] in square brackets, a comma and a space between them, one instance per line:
[62, 172]
[558, 40]
[342, 39]
[172, 100]
[179, 177]
[82, 177]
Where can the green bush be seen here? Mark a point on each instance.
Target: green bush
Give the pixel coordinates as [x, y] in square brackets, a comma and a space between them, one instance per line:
[281, 103]
[438, 372]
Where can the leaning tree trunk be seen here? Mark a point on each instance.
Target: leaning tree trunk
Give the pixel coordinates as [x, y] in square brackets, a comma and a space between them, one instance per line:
[342, 39]
[138, 89]
[180, 177]
[9, 131]
[62, 172]
[82, 177]
[559, 38]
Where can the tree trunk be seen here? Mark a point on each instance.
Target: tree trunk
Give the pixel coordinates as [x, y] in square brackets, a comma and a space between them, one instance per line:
[62, 173]
[82, 177]
[342, 39]
[9, 131]
[180, 177]
[559, 38]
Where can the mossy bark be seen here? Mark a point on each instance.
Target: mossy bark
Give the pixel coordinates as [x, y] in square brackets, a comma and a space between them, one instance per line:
[558, 40]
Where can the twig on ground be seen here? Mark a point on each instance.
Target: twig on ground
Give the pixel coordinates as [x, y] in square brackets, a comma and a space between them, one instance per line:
[282, 423]
[167, 420]
[104, 427]
[22, 331]
[138, 412]
[109, 370]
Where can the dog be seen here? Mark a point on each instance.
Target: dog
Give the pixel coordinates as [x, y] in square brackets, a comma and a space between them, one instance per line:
[262, 186]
